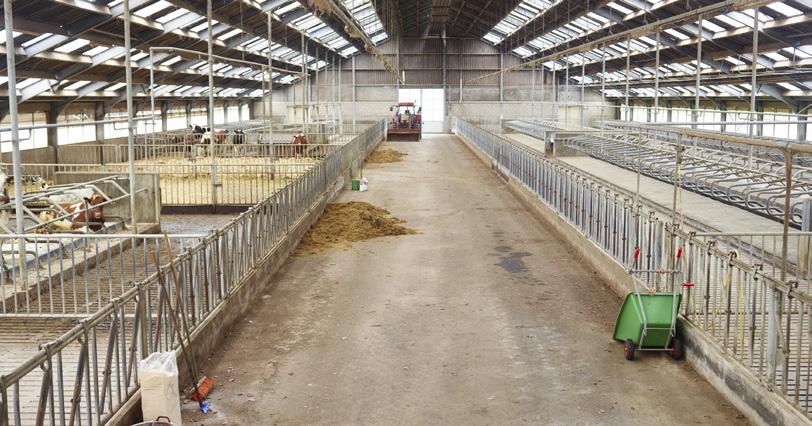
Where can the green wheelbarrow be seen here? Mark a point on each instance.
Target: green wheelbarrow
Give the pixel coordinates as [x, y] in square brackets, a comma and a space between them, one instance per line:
[648, 321]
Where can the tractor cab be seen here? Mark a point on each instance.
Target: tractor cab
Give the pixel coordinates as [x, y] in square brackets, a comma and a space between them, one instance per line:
[406, 123]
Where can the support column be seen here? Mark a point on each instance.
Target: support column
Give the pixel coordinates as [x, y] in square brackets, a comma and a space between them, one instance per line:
[760, 118]
[354, 104]
[501, 87]
[803, 120]
[188, 106]
[98, 115]
[723, 115]
[53, 135]
[164, 116]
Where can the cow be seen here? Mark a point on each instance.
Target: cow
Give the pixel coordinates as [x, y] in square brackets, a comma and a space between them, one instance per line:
[87, 214]
[239, 137]
[299, 139]
[5, 181]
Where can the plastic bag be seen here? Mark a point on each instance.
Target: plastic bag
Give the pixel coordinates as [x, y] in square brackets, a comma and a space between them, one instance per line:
[364, 184]
[160, 394]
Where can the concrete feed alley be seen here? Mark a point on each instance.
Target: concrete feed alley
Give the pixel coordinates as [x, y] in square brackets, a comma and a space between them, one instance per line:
[484, 317]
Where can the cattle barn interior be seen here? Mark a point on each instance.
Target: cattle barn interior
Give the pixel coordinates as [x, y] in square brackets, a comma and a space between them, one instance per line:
[225, 212]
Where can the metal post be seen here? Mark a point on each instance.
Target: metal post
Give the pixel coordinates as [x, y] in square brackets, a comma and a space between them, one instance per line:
[15, 133]
[130, 112]
[270, 81]
[583, 100]
[211, 105]
[152, 94]
[603, 88]
[501, 88]
[340, 102]
[533, 91]
[777, 298]
[542, 91]
[698, 74]
[628, 77]
[304, 86]
[657, 78]
[753, 81]
[567, 91]
[354, 104]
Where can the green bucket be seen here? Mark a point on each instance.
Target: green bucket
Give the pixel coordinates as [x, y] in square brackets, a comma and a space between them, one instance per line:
[355, 185]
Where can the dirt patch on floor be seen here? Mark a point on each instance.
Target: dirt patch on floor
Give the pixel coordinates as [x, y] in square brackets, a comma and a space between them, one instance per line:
[386, 156]
[345, 223]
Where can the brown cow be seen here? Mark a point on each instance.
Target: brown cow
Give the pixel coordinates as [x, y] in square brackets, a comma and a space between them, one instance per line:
[86, 213]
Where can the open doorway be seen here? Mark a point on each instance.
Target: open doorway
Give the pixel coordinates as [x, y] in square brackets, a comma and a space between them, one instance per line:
[433, 103]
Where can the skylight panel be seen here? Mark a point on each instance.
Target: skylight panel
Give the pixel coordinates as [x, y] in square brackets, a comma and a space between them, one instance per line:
[351, 50]
[800, 52]
[775, 56]
[788, 86]
[784, 9]
[285, 9]
[749, 13]
[34, 40]
[172, 15]
[525, 12]
[620, 8]
[95, 51]
[77, 85]
[730, 21]
[73, 45]
[710, 26]
[203, 26]
[172, 61]
[229, 34]
[317, 30]
[679, 35]
[14, 35]
[152, 9]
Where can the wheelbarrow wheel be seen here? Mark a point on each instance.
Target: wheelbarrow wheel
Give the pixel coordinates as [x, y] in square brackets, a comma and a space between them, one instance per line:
[628, 349]
[677, 349]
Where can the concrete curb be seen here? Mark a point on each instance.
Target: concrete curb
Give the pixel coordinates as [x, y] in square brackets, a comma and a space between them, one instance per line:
[741, 387]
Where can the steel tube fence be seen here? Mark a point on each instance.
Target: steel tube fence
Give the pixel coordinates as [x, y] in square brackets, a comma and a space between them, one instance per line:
[765, 324]
[85, 375]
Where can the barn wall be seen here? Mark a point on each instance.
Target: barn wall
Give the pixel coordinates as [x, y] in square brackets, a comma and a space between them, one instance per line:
[426, 64]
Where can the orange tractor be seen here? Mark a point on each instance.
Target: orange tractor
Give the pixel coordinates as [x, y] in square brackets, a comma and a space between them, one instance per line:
[406, 123]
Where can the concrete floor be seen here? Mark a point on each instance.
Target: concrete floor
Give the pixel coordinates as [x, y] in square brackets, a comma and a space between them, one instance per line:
[484, 317]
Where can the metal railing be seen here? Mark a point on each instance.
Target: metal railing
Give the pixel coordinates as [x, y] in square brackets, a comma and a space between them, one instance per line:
[77, 274]
[177, 149]
[238, 180]
[85, 375]
[764, 323]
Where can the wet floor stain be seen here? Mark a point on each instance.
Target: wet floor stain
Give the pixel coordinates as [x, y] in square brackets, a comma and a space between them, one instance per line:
[512, 261]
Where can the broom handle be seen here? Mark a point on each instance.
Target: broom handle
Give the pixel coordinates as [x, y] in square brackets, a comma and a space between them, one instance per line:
[192, 357]
[175, 321]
